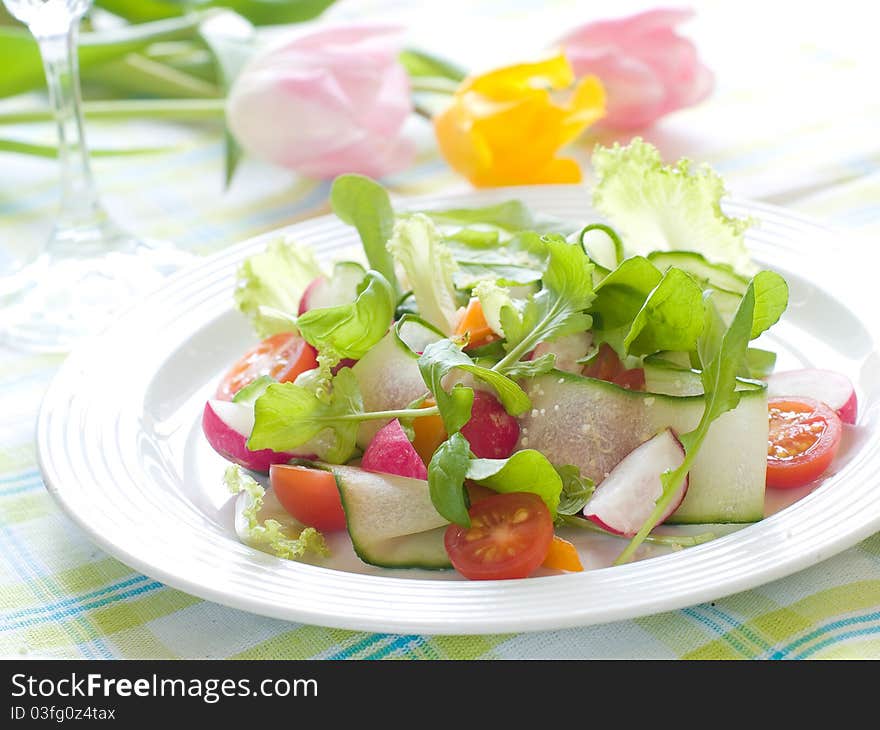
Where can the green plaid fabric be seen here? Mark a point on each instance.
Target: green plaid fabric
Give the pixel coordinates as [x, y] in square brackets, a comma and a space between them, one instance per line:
[794, 131]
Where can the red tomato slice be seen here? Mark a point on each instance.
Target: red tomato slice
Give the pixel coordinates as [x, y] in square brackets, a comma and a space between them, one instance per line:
[804, 439]
[509, 537]
[608, 366]
[283, 356]
[309, 495]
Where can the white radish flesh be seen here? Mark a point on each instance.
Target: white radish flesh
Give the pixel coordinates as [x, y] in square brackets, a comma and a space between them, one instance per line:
[627, 496]
[227, 426]
[831, 388]
[568, 350]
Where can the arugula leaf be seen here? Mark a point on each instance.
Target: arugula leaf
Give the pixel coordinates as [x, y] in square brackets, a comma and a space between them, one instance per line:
[363, 203]
[524, 471]
[446, 475]
[556, 310]
[267, 535]
[272, 282]
[621, 294]
[670, 319]
[771, 300]
[722, 357]
[531, 368]
[351, 330]
[416, 245]
[576, 490]
[519, 260]
[287, 416]
[442, 357]
[511, 216]
[666, 207]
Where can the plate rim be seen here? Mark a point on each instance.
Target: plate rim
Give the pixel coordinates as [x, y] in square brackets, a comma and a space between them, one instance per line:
[457, 625]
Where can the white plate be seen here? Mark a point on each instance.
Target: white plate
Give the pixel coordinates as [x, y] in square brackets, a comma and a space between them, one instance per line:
[121, 449]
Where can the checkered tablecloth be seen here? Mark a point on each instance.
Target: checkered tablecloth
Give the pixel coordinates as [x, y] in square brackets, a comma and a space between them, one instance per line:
[794, 121]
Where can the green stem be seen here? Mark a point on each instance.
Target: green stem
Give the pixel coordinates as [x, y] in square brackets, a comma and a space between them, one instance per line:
[671, 540]
[527, 344]
[182, 109]
[433, 84]
[375, 415]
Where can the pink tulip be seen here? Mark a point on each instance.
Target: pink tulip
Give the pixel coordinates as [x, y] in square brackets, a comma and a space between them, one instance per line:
[648, 70]
[330, 102]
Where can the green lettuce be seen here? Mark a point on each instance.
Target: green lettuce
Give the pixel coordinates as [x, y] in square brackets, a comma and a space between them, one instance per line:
[271, 283]
[666, 207]
[268, 535]
[417, 247]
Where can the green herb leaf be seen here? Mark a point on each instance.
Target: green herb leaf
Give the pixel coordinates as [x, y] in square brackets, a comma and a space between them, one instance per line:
[531, 368]
[511, 216]
[524, 471]
[771, 300]
[519, 260]
[287, 416]
[351, 330]
[446, 475]
[622, 294]
[274, 279]
[418, 248]
[759, 363]
[363, 203]
[576, 490]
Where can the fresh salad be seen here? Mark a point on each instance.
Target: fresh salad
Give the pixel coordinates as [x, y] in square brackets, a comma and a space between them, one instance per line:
[484, 377]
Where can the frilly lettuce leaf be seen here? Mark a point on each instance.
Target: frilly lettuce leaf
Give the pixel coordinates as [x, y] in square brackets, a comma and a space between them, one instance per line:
[268, 535]
[666, 207]
[417, 247]
[271, 283]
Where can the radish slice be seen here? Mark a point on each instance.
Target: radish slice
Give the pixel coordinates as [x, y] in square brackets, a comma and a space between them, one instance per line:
[627, 496]
[832, 388]
[568, 350]
[390, 452]
[227, 427]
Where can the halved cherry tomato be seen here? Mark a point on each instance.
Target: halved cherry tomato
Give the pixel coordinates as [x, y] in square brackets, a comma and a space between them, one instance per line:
[562, 555]
[474, 324]
[609, 367]
[283, 356]
[309, 495]
[803, 441]
[509, 537]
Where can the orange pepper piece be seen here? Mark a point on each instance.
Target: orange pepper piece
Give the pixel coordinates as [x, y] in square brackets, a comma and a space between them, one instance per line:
[563, 556]
[473, 323]
[429, 433]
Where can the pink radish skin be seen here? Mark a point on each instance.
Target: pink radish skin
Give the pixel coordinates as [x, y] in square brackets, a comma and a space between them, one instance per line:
[223, 423]
[391, 452]
[491, 431]
[625, 499]
[831, 388]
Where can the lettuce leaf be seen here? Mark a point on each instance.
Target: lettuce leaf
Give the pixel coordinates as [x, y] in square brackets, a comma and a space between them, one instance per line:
[523, 471]
[417, 247]
[667, 207]
[267, 535]
[271, 283]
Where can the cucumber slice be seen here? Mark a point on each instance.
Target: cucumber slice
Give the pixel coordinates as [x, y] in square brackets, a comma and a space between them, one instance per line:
[667, 378]
[720, 276]
[594, 425]
[388, 375]
[391, 520]
[340, 288]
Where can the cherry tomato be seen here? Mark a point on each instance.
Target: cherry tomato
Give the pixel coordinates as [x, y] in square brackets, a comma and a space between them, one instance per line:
[608, 366]
[804, 438]
[283, 356]
[509, 537]
[309, 495]
[491, 431]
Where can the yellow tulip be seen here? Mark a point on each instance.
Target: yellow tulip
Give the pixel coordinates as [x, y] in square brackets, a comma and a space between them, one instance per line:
[506, 127]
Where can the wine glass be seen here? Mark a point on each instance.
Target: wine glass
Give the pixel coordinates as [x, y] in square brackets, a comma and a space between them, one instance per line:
[90, 268]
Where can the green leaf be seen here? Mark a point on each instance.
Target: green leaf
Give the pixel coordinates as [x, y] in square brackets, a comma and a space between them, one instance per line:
[351, 330]
[759, 363]
[771, 300]
[363, 203]
[511, 216]
[622, 294]
[269, 535]
[666, 207]
[446, 475]
[556, 310]
[23, 67]
[576, 490]
[531, 368]
[418, 63]
[519, 260]
[442, 357]
[418, 248]
[722, 357]
[287, 416]
[274, 280]
[670, 319]
[524, 471]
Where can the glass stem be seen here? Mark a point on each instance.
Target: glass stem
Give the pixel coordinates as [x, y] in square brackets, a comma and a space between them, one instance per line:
[80, 207]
